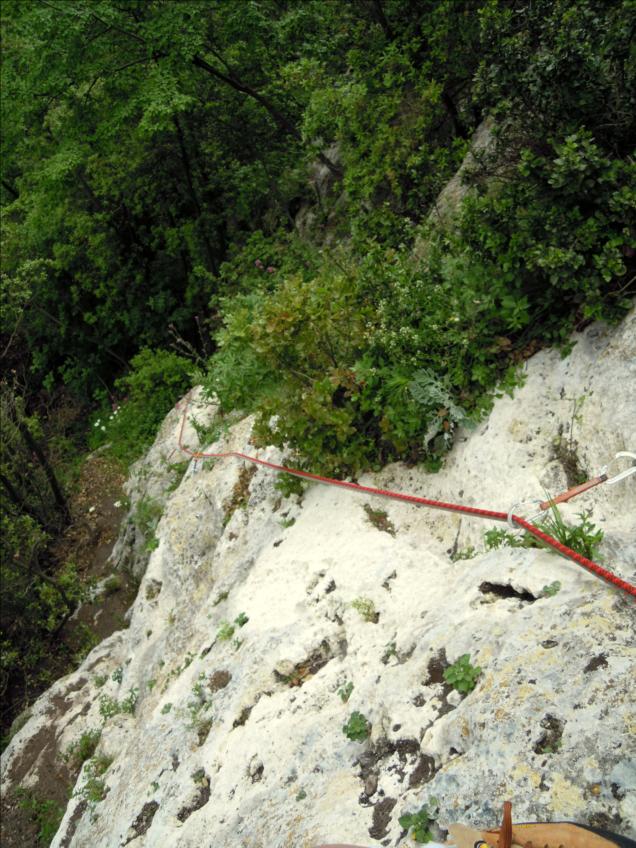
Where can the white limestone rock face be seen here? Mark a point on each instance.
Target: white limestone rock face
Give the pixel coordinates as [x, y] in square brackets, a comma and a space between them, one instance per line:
[237, 734]
[152, 479]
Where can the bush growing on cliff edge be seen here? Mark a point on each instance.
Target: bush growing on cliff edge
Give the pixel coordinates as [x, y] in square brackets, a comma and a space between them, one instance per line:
[378, 354]
[157, 379]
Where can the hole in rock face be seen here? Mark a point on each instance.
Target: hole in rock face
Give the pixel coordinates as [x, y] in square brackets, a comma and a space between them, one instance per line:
[437, 665]
[256, 774]
[503, 590]
[596, 662]
[550, 740]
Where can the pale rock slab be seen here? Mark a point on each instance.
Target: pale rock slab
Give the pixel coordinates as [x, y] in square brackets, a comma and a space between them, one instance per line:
[239, 741]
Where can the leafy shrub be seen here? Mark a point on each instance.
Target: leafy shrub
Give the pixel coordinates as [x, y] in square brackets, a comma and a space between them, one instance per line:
[550, 239]
[296, 357]
[158, 378]
[462, 676]
[357, 728]
[419, 822]
[580, 76]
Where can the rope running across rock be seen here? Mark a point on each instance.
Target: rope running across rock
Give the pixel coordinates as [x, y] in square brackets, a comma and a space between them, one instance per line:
[494, 515]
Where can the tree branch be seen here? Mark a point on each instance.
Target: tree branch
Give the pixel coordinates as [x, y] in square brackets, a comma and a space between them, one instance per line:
[10, 189]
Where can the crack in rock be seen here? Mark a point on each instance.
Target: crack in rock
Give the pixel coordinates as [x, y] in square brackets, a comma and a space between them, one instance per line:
[550, 741]
[299, 674]
[199, 800]
[143, 821]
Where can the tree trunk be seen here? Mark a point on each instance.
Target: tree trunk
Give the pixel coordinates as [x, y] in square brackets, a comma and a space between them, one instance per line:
[380, 17]
[187, 167]
[21, 502]
[10, 189]
[35, 448]
[459, 128]
[281, 121]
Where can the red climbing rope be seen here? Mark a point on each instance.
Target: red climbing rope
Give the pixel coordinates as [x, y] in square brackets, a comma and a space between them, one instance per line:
[601, 572]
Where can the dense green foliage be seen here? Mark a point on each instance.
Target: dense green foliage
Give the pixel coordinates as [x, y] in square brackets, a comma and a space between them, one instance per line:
[248, 188]
[148, 393]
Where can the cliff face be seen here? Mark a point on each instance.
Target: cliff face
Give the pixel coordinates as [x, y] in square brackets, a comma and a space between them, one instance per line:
[222, 705]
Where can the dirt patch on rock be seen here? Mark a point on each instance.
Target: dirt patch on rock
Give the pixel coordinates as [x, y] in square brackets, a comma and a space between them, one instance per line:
[381, 817]
[240, 493]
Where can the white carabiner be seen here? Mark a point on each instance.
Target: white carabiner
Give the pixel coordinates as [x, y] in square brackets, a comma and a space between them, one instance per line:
[513, 508]
[622, 475]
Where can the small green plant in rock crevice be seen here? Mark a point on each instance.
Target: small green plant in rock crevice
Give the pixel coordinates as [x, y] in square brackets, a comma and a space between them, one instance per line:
[585, 537]
[148, 512]
[390, 650]
[366, 608]
[551, 589]
[82, 749]
[288, 485]
[345, 692]
[467, 553]
[499, 538]
[178, 470]
[109, 707]
[380, 519]
[227, 630]
[94, 788]
[462, 676]
[357, 728]
[419, 822]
